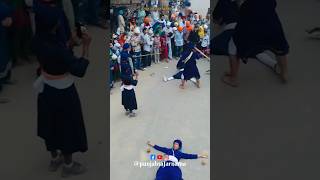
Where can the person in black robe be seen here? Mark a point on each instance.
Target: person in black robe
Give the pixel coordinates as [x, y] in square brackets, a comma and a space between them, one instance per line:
[258, 29]
[225, 17]
[189, 64]
[60, 119]
[129, 101]
[225, 12]
[180, 68]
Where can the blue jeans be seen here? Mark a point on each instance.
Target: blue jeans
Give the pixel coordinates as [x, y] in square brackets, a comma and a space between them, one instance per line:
[137, 60]
[146, 60]
[179, 50]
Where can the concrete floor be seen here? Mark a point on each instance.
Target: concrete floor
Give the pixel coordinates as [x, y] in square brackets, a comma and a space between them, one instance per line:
[264, 129]
[165, 112]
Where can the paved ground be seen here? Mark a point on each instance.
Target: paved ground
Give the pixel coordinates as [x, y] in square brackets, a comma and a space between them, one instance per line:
[165, 113]
[23, 154]
[263, 129]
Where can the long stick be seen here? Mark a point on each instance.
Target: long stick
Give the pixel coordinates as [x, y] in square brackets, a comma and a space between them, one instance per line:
[202, 53]
[145, 55]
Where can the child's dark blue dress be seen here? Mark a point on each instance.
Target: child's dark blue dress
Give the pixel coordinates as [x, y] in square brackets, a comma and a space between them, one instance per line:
[60, 119]
[129, 101]
[172, 172]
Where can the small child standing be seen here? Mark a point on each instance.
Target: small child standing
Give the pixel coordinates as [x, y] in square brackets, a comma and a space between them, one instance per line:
[164, 46]
[157, 46]
[205, 43]
[129, 101]
[128, 82]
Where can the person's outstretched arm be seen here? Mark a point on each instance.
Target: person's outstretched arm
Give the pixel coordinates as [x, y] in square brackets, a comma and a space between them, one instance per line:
[189, 156]
[159, 148]
[192, 156]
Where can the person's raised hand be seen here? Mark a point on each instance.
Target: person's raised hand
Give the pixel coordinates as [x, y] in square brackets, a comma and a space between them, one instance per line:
[203, 156]
[149, 143]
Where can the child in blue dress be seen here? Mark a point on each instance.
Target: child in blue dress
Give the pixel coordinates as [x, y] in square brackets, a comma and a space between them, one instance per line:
[129, 79]
[173, 156]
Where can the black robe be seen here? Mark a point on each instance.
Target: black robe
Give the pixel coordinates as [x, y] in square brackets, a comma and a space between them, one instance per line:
[259, 29]
[60, 119]
[227, 11]
[129, 100]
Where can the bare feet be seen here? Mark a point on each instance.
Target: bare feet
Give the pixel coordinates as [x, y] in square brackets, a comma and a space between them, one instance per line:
[198, 84]
[284, 78]
[181, 86]
[230, 81]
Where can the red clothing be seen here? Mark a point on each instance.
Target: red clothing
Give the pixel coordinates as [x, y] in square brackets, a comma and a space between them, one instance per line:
[121, 40]
[164, 48]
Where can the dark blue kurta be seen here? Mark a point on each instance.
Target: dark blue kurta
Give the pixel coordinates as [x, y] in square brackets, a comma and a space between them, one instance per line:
[228, 12]
[172, 172]
[60, 119]
[129, 101]
[190, 67]
[64, 30]
[124, 63]
[259, 29]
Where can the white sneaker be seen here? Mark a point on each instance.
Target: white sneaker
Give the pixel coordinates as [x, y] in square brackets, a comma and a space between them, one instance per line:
[165, 79]
[132, 114]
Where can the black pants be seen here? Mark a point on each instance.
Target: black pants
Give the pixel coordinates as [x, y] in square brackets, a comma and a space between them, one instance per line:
[146, 60]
